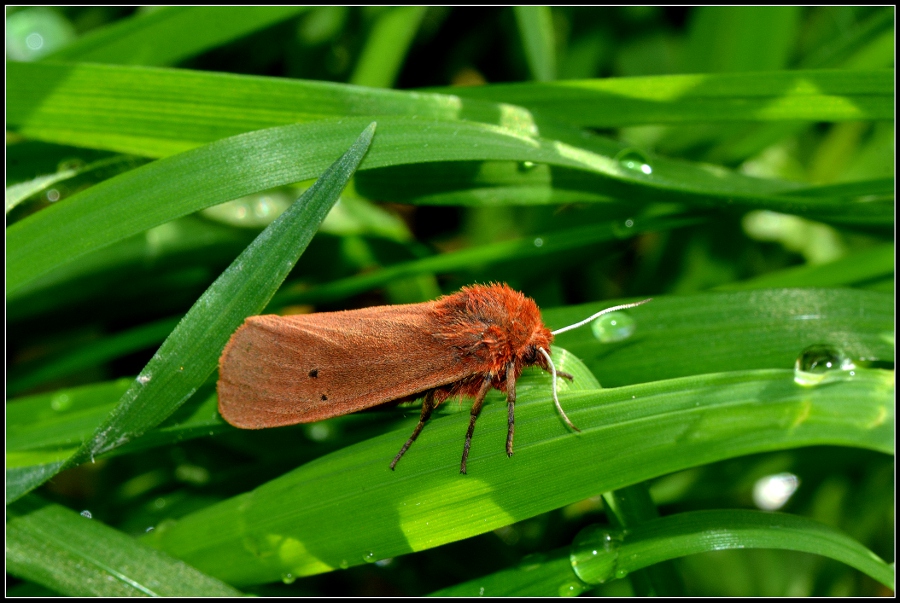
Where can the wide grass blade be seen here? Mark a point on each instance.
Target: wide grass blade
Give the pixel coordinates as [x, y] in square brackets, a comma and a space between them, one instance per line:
[629, 434]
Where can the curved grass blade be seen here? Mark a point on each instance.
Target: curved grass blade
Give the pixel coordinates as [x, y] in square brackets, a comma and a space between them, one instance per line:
[600, 554]
[288, 525]
[78, 556]
[189, 354]
[118, 108]
[182, 184]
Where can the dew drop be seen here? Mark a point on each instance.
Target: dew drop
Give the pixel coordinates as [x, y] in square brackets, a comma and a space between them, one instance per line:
[318, 432]
[571, 589]
[624, 229]
[526, 166]
[634, 161]
[344, 564]
[821, 362]
[612, 327]
[539, 242]
[86, 514]
[288, 578]
[369, 557]
[595, 553]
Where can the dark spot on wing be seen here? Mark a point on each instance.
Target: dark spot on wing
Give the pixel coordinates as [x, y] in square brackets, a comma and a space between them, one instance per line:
[324, 397]
[314, 373]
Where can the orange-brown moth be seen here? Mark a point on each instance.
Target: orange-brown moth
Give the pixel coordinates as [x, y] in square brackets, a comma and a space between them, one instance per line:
[283, 370]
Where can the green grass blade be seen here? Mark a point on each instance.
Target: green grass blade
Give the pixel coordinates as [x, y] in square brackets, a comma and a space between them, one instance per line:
[673, 99]
[676, 336]
[189, 354]
[78, 556]
[171, 34]
[288, 525]
[118, 108]
[535, 25]
[387, 45]
[600, 554]
[538, 575]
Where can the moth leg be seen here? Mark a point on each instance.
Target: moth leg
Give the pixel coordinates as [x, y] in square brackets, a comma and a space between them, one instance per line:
[476, 408]
[511, 405]
[428, 405]
[565, 375]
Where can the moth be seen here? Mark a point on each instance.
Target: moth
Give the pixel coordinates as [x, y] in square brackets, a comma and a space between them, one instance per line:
[284, 370]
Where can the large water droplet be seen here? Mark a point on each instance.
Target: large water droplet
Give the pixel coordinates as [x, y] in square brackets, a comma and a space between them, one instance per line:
[595, 553]
[635, 161]
[614, 326]
[820, 362]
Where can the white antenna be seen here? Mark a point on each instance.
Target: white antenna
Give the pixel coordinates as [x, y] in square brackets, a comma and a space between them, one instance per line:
[555, 398]
[599, 314]
[569, 328]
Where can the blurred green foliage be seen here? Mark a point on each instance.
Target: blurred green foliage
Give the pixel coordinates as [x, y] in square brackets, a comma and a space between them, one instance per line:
[734, 163]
